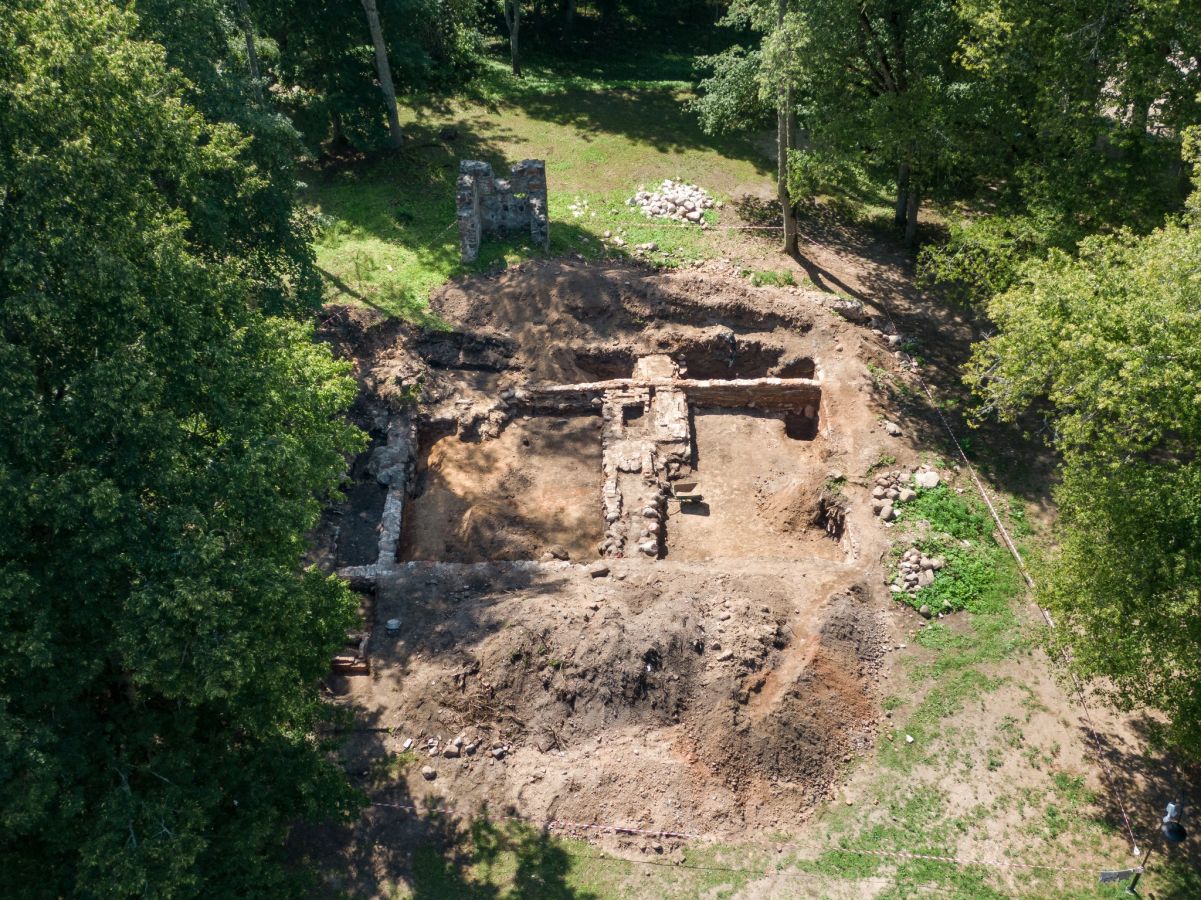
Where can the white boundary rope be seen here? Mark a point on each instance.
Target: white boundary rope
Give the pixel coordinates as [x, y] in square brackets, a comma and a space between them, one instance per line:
[1021, 563]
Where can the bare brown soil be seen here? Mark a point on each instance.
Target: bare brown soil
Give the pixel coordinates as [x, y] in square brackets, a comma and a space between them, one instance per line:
[532, 488]
[761, 489]
[723, 687]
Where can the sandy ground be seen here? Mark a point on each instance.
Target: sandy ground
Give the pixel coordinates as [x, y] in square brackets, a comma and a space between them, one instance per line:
[727, 689]
[532, 488]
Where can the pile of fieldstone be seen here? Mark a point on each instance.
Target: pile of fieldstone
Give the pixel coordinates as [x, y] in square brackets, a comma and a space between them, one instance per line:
[916, 571]
[894, 487]
[675, 200]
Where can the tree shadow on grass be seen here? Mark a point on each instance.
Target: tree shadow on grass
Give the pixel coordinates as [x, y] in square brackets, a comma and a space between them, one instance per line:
[640, 96]
[475, 859]
[1140, 783]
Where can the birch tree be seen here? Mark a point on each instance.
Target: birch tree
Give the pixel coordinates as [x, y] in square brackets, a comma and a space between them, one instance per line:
[395, 135]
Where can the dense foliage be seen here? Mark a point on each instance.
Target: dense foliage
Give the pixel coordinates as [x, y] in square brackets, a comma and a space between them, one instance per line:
[166, 433]
[1110, 340]
[1088, 107]
[323, 71]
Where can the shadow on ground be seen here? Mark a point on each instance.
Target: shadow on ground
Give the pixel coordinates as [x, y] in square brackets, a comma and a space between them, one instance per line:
[869, 263]
[1140, 783]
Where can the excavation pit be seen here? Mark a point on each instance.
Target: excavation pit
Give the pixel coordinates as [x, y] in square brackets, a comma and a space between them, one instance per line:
[761, 491]
[629, 658]
[533, 489]
[358, 525]
[716, 354]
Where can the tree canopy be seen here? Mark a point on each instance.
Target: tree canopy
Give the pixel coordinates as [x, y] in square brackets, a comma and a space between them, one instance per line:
[1108, 338]
[167, 432]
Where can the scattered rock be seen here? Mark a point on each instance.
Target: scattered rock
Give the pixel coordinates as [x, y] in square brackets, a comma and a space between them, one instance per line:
[927, 480]
[851, 310]
[598, 569]
[429, 773]
[451, 752]
[893, 429]
[925, 612]
[906, 494]
[558, 552]
[498, 752]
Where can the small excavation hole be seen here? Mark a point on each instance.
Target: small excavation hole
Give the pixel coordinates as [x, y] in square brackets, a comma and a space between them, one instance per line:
[799, 368]
[800, 427]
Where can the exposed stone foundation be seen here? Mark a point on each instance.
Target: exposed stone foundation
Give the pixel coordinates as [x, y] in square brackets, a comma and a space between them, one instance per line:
[489, 205]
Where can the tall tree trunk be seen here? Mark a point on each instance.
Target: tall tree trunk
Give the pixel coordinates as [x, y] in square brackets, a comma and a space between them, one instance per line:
[911, 207]
[785, 126]
[902, 208]
[252, 57]
[784, 139]
[568, 17]
[396, 138]
[337, 140]
[513, 21]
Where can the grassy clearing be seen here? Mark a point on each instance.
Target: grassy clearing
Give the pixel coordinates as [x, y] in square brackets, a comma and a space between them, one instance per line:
[974, 764]
[513, 860]
[386, 226]
[980, 575]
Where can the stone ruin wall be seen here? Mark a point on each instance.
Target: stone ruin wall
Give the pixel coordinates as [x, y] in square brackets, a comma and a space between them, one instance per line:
[486, 204]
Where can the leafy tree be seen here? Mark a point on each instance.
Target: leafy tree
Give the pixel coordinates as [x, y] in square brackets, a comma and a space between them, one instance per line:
[258, 225]
[165, 440]
[1087, 104]
[729, 96]
[1108, 339]
[875, 87]
[327, 70]
[744, 86]
[384, 70]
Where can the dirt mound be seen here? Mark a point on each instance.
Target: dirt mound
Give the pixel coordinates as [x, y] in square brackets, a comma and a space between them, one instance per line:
[571, 321]
[795, 724]
[795, 507]
[798, 507]
[621, 668]
[630, 698]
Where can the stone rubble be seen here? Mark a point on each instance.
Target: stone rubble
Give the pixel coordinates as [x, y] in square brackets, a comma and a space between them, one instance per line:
[915, 570]
[675, 200]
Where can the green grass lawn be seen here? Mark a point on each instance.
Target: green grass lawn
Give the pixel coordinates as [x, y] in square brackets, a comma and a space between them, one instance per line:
[387, 233]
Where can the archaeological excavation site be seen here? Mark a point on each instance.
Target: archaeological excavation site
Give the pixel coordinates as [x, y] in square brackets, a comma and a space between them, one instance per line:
[618, 559]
